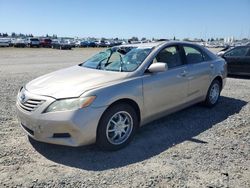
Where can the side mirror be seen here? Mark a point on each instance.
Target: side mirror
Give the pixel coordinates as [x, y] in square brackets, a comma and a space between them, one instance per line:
[158, 67]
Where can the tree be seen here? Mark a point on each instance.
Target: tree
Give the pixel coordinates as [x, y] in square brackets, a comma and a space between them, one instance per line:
[13, 34]
[5, 35]
[174, 38]
[143, 38]
[134, 39]
[54, 36]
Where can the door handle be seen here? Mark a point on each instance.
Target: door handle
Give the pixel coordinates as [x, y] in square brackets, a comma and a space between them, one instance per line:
[211, 66]
[183, 73]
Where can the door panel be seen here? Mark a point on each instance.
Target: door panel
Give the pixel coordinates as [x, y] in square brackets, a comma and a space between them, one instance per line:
[164, 91]
[199, 72]
[234, 64]
[198, 76]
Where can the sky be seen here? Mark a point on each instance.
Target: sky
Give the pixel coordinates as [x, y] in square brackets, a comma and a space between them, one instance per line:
[127, 18]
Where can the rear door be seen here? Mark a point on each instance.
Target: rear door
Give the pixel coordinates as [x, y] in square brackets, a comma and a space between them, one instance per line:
[199, 69]
[237, 60]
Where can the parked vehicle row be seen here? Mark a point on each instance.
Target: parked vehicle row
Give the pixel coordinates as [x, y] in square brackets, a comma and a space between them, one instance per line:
[56, 43]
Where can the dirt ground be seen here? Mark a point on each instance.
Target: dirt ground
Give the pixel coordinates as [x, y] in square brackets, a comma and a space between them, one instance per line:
[196, 147]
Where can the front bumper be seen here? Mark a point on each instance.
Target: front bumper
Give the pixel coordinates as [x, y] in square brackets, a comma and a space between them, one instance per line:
[71, 128]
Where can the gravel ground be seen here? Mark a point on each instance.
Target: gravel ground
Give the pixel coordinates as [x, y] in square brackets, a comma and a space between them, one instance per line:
[196, 147]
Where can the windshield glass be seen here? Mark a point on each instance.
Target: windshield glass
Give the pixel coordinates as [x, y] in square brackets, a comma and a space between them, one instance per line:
[123, 59]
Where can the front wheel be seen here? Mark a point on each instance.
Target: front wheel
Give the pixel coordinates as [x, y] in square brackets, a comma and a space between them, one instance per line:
[117, 127]
[213, 94]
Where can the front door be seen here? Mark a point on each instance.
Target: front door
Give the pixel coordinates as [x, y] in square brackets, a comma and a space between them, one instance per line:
[164, 91]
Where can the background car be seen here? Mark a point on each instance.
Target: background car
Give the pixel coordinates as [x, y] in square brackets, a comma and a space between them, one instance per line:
[86, 43]
[221, 52]
[61, 44]
[238, 60]
[20, 43]
[33, 42]
[103, 43]
[45, 42]
[4, 42]
[71, 43]
[83, 44]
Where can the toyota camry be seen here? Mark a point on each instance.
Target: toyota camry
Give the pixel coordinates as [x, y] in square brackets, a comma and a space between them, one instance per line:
[106, 98]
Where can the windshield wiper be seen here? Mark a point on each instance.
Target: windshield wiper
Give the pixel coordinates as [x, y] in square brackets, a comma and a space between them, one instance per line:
[100, 63]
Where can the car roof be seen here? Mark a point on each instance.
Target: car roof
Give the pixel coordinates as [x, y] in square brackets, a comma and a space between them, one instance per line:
[158, 43]
[142, 45]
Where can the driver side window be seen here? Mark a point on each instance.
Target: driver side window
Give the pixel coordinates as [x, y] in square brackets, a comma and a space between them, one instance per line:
[169, 55]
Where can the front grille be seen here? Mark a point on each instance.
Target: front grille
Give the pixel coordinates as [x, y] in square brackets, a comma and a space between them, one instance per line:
[31, 104]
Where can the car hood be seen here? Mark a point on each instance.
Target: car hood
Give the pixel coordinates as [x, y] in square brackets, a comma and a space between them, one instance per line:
[72, 82]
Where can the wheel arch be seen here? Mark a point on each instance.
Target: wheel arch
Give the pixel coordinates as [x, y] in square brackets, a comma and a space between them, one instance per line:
[219, 78]
[129, 101]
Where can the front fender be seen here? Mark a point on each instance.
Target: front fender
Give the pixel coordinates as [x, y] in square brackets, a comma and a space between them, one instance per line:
[127, 89]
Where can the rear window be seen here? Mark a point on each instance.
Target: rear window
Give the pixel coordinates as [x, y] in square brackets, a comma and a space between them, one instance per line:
[193, 55]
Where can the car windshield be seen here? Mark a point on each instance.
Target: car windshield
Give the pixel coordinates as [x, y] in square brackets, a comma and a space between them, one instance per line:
[121, 59]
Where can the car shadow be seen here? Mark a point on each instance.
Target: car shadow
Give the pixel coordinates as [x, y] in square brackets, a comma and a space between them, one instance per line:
[151, 139]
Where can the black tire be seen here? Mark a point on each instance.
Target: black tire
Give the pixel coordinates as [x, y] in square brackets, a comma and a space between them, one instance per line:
[102, 138]
[210, 102]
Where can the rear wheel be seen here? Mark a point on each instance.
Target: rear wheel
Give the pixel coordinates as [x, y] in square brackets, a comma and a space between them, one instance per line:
[117, 127]
[213, 94]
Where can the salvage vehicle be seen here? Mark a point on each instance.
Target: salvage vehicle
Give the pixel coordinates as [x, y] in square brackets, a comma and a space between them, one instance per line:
[4, 42]
[238, 60]
[20, 43]
[61, 44]
[45, 42]
[109, 96]
[33, 42]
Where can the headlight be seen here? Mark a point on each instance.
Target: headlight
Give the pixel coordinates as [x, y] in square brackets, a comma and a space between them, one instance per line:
[70, 104]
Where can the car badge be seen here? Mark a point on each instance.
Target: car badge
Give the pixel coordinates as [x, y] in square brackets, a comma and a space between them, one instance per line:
[23, 98]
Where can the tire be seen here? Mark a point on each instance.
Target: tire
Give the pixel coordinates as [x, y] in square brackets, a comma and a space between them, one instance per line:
[117, 127]
[213, 94]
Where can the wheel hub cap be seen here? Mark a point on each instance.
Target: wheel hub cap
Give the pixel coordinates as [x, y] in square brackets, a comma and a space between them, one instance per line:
[214, 93]
[119, 127]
